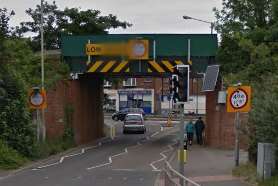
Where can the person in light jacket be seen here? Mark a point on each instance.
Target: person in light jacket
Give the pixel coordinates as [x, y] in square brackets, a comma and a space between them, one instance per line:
[189, 129]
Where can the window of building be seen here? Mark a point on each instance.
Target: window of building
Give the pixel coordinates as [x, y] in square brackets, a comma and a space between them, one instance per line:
[130, 82]
[107, 83]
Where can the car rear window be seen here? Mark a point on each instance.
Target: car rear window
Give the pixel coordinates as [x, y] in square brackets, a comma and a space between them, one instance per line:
[133, 118]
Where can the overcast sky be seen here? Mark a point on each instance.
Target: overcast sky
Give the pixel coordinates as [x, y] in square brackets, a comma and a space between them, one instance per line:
[147, 16]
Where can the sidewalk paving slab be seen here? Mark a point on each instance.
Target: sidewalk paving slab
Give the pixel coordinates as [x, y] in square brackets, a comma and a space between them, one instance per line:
[211, 166]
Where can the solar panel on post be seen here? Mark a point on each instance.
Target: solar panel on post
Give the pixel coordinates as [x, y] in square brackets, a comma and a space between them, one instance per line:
[211, 77]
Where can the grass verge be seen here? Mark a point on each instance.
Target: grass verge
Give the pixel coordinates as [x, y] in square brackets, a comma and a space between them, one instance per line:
[10, 158]
[248, 173]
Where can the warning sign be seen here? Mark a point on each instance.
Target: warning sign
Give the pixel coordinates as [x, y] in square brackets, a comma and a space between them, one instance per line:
[239, 99]
[37, 99]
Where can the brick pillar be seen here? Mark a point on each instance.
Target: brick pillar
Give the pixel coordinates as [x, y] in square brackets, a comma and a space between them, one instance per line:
[88, 113]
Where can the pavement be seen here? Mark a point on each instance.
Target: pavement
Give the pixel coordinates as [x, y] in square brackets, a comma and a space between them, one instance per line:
[211, 167]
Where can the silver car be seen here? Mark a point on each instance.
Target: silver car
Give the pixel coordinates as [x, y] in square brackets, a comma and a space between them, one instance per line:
[134, 122]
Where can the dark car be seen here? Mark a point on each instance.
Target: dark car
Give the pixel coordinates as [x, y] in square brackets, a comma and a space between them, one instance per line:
[120, 115]
[134, 122]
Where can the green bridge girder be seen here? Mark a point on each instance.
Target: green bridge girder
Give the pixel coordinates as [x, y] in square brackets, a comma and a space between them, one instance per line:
[171, 48]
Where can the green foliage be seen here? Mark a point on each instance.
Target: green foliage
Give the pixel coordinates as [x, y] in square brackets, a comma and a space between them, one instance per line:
[15, 120]
[270, 182]
[10, 158]
[248, 53]
[264, 113]
[66, 22]
[5, 17]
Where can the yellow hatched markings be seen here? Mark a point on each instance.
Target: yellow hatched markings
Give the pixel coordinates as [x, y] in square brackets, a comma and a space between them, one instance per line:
[168, 65]
[88, 63]
[178, 62]
[108, 66]
[156, 66]
[127, 70]
[95, 66]
[150, 70]
[120, 66]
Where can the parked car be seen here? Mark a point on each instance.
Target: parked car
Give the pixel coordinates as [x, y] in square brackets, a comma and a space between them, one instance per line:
[134, 122]
[120, 115]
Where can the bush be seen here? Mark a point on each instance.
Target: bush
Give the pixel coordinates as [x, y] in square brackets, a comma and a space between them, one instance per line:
[264, 115]
[15, 120]
[10, 158]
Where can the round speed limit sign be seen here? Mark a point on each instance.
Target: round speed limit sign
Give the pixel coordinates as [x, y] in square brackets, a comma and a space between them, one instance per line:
[239, 99]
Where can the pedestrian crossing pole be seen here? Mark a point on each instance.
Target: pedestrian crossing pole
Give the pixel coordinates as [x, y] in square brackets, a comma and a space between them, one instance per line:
[170, 118]
[181, 144]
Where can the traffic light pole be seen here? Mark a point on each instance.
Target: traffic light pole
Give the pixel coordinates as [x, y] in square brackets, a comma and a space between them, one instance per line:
[181, 143]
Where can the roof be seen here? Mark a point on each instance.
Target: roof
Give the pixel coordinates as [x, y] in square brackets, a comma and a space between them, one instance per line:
[166, 44]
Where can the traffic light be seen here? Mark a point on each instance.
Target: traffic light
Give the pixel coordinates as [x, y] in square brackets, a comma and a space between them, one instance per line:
[183, 72]
[175, 88]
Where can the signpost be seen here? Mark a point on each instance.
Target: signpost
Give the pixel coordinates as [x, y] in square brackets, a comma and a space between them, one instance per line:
[239, 100]
[37, 100]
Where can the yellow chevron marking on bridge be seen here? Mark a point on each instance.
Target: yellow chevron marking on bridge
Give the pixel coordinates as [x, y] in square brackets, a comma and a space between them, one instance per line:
[168, 65]
[156, 66]
[108, 66]
[150, 70]
[95, 66]
[120, 66]
[178, 62]
[127, 70]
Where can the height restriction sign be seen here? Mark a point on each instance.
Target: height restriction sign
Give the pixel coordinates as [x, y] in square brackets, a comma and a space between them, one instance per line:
[239, 99]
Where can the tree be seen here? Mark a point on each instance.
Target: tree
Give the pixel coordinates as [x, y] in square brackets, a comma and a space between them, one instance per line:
[70, 21]
[248, 53]
[5, 16]
[5, 30]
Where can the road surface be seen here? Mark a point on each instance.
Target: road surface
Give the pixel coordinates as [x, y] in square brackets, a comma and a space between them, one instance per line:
[132, 159]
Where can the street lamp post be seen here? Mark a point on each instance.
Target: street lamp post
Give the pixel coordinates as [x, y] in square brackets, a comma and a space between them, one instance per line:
[211, 23]
[43, 130]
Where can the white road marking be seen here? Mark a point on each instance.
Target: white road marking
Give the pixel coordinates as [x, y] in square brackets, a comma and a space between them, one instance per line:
[83, 150]
[129, 170]
[152, 164]
[110, 160]
[154, 134]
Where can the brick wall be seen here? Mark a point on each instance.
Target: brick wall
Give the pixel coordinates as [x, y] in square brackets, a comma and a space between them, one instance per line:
[84, 96]
[220, 130]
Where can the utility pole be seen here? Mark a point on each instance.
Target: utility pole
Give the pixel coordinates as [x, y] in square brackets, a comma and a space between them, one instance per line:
[43, 132]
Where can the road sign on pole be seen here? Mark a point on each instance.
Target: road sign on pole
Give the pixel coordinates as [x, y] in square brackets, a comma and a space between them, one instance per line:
[239, 99]
[37, 98]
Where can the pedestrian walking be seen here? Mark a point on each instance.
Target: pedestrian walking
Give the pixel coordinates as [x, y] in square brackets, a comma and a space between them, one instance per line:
[199, 128]
[189, 129]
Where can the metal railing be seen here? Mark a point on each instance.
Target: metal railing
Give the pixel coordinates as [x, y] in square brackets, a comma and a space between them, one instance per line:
[173, 177]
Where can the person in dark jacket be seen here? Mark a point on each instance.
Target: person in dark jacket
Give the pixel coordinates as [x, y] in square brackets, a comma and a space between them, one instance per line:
[199, 128]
